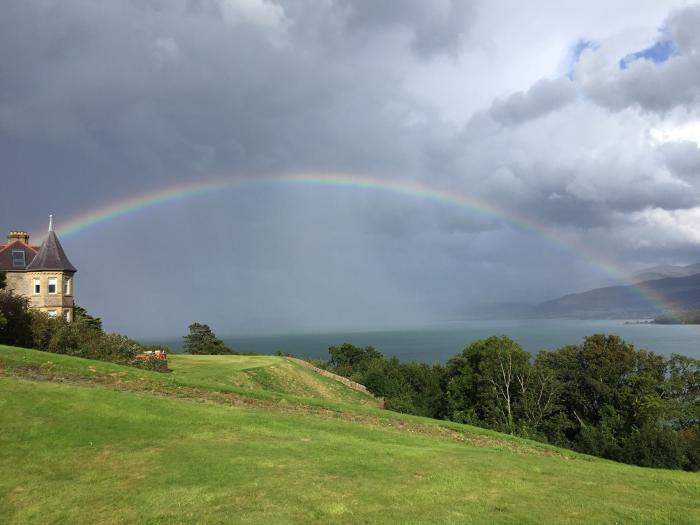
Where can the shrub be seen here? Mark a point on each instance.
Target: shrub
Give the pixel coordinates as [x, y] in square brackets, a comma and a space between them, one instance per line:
[16, 327]
[84, 337]
[654, 446]
[690, 438]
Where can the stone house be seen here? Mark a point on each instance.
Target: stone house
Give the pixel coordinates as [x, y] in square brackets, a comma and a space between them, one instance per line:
[43, 273]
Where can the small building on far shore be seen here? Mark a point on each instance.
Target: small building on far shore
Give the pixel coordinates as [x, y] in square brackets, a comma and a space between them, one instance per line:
[43, 273]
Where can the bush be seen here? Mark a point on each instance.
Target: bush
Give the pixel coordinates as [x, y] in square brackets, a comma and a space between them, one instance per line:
[654, 446]
[690, 438]
[16, 325]
[84, 337]
[150, 361]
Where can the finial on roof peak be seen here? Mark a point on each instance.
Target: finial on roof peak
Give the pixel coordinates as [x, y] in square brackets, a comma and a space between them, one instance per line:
[50, 222]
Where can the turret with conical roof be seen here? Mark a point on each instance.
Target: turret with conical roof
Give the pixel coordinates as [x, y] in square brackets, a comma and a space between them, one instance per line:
[51, 256]
[43, 274]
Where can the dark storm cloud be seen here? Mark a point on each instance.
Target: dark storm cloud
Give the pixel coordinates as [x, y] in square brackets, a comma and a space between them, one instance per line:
[181, 89]
[102, 100]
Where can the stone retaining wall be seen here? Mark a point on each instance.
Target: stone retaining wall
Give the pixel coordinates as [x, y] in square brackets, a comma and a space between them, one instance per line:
[347, 382]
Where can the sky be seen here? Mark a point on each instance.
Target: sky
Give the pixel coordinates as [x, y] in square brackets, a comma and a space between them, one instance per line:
[579, 121]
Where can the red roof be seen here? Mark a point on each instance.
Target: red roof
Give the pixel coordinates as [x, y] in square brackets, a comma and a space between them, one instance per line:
[7, 261]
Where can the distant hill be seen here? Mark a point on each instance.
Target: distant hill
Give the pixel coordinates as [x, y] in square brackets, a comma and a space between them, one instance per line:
[626, 301]
[678, 285]
[664, 271]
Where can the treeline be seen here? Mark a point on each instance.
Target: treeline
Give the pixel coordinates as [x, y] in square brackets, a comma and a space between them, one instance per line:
[602, 397]
[82, 337]
[682, 317]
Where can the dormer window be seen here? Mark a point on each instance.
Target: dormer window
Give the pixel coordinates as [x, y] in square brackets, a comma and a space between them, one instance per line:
[18, 260]
[53, 283]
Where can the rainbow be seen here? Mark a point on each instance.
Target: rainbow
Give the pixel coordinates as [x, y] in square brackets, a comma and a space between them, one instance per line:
[185, 190]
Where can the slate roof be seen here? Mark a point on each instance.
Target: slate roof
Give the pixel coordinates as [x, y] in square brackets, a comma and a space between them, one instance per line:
[51, 257]
[7, 259]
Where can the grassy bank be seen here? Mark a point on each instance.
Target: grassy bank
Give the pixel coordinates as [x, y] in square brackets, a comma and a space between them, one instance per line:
[87, 450]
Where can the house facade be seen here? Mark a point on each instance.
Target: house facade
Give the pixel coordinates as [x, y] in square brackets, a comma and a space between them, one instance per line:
[43, 273]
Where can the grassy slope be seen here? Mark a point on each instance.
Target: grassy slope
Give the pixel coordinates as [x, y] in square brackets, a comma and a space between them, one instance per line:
[260, 377]
[266, 373]
[73, 453]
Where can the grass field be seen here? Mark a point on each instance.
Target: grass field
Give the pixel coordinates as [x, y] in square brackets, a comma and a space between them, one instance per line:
[261, 373]
[257, 377]
[89, 442]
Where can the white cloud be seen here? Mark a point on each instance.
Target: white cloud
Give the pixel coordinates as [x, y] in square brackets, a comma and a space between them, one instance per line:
[672, 132]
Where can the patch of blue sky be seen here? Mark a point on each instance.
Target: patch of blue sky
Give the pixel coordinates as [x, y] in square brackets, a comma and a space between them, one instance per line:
[575, 54]
[658, 54]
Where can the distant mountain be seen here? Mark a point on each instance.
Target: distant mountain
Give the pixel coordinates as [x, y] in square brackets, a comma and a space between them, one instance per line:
[664, 271]
[678, 285]
[648, 274]
[627, 302]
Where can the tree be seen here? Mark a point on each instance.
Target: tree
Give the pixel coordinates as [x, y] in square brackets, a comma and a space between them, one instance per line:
[16, 324]
[683, 391]
[81, 315]
[352, 361]
[483, 382]
[3, 283]
[202, 341]
[539, 393]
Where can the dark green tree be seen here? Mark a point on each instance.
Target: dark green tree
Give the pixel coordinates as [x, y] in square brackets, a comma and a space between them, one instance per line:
[16, 324]
[483, 382]
[352, 361]
[81, 315]
[683, 391]
[202, 341]
[3, 283]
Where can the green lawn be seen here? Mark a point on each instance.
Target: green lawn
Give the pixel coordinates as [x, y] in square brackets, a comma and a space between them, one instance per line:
[261, 373]
[260, 377]
[90, 453]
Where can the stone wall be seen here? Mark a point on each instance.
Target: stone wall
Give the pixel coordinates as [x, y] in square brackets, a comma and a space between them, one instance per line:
[347, 382]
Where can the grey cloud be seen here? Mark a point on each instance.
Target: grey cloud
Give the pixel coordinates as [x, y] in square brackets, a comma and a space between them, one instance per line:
[435, 27]
[683, 159]
[543, 97]
[644, 84]
[113, 99]
[683, 25]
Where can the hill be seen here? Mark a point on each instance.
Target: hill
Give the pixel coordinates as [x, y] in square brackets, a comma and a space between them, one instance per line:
[666, 270]
[213, 442]
[679, 285]
[626, 301]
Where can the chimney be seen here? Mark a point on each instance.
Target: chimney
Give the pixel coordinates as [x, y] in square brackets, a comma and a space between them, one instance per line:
[17, 235]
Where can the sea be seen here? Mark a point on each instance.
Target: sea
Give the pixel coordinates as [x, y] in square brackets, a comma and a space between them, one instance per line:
[439, 342]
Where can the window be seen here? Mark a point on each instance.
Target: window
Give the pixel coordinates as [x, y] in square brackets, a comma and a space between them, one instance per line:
[51, 314]
[66, 286]
[18, 260]
[66, 315]
[52, 285]
[37, 286]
